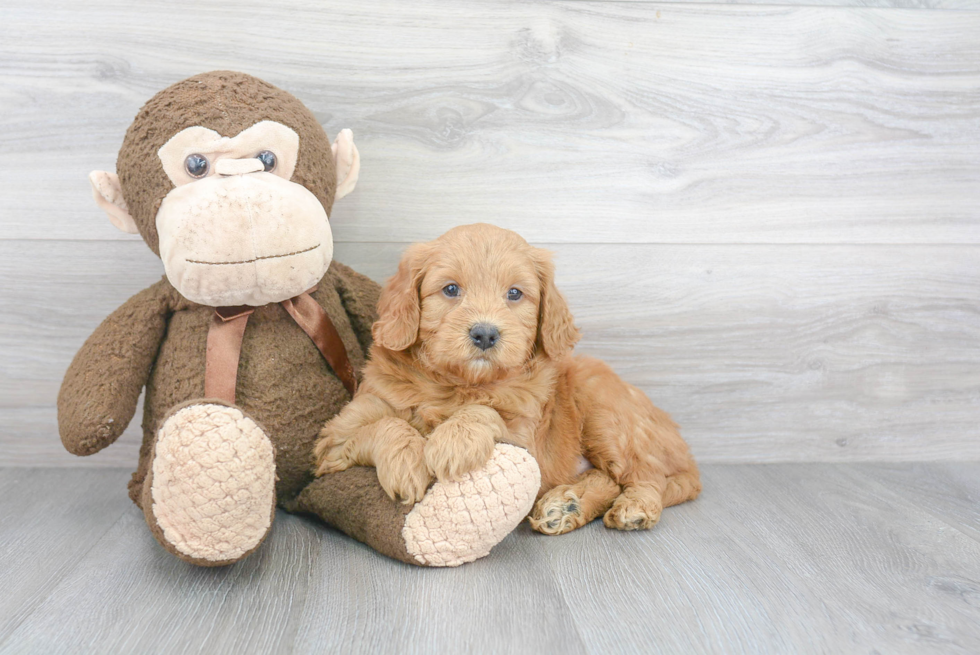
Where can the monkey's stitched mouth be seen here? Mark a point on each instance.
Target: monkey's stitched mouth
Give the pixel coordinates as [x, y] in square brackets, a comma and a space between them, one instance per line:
[249, 261]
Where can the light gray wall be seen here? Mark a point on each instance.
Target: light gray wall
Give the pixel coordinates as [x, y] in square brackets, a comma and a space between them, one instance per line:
[767, 217]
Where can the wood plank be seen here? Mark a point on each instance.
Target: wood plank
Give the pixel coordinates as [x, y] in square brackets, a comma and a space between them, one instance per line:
[131, 596]
[687, 587]
[762, 353]
[572, 122]
[962, 5]
[49, 521]
[904, 573]
[505, 603]
[770, 559]
[307, 587]
[950, 491]
[30, 439]
[775, 559]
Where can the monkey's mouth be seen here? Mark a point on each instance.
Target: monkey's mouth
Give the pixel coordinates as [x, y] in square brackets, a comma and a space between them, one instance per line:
[249, 261]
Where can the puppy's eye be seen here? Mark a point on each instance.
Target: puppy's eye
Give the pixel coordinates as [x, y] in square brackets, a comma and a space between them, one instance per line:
[268, 159]
[450, 290]
[515, 294]
[196, 165]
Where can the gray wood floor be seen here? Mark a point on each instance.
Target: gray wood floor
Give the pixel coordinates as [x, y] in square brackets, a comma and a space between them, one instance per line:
[780, 558]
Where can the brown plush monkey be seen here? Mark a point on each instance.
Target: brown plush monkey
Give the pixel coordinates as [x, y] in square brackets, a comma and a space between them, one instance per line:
[249, 344]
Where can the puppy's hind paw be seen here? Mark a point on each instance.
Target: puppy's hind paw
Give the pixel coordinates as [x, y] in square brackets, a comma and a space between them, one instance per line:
[559, 511]
[629, 513]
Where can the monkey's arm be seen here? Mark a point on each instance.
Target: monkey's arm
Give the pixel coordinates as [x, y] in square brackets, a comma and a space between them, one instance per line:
[99, 393]
[359, 294]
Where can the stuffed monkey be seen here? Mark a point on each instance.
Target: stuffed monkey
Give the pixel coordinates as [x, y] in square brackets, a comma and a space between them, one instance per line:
[252, 339]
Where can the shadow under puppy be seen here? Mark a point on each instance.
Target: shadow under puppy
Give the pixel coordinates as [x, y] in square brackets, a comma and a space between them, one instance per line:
[472, 347]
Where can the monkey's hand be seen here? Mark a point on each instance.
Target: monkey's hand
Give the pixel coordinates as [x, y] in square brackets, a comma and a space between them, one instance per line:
[99, 393]
[464, 442]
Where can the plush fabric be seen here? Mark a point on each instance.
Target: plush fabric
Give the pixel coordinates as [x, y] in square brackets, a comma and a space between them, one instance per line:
[210, 473]
[228, 103]
[266, 135]
[455, 523]
[458, 522]
[213, 483]
[283, 381]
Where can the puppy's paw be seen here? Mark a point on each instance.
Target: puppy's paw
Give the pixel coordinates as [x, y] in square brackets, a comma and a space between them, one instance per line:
[402, 471]
[332, 454]
[633, 512]
[458, 447]
[559, 511]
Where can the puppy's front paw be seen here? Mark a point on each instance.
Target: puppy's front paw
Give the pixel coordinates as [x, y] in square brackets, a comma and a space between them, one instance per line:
[458, 447]
[402, 471]
[332, 454]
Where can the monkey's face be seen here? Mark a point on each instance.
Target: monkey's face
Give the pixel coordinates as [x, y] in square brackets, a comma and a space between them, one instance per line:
[235, 230]
[230, 180]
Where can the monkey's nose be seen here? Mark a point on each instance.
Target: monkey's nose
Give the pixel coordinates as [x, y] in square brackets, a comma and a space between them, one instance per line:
[238, 166]
[484, 336]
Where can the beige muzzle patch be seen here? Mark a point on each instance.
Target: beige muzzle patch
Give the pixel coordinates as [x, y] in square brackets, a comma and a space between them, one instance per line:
[248, 239]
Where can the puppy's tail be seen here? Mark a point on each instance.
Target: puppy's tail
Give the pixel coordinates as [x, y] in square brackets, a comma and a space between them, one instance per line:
[682, 487]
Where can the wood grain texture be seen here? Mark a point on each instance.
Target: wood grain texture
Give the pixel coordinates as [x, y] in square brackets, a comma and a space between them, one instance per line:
[948, 490]
[718, 181]
[770, 559]
[130, 596]
[962, 5]
[506, 603]
[49, 522]
[569, 121]
[762, 353]
[776, 559]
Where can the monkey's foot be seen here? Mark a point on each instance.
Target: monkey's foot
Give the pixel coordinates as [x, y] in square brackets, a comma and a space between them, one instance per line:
[454, 523]
[458, 522]
[210, 495]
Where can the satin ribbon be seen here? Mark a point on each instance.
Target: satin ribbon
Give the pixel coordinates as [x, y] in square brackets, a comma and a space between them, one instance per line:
[227, 331]
[310, 316]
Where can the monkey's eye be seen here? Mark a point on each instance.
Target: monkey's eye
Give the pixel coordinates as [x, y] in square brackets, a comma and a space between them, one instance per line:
[515, 294]
[450, 290]
[268, 159]
[196, 165]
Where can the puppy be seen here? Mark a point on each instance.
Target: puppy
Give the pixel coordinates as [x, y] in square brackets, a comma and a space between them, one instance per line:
[472, 347]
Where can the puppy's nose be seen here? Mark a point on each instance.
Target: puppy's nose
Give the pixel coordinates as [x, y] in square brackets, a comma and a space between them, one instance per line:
[484, 336]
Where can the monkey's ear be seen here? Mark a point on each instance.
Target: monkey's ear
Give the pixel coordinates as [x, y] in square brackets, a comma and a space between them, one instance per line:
[108, 195]
[347, 161]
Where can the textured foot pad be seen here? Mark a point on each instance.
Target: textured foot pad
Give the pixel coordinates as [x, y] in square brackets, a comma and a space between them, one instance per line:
[559, 511]
[213, 484]
[458, 522]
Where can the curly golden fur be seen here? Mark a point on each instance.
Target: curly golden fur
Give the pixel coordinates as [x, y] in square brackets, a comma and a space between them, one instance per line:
[473, 346]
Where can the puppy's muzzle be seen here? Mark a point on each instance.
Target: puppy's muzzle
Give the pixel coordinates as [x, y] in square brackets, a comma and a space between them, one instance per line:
[484, 335]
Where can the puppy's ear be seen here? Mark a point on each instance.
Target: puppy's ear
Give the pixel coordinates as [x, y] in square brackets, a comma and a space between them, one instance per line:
[557, 333]
[397, 326]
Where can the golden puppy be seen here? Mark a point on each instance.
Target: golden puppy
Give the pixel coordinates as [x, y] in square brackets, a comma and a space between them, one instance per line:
[473, 346]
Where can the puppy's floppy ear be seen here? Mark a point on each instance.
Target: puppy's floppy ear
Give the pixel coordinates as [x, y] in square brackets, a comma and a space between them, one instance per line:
[397, 326]
[557, 333]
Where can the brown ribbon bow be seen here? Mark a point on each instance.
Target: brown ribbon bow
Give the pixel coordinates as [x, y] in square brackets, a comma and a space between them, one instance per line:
[228, 329]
